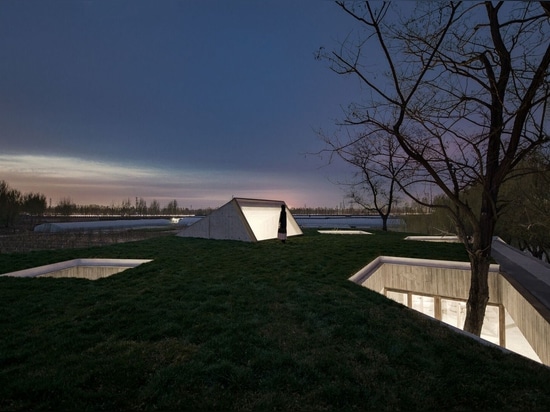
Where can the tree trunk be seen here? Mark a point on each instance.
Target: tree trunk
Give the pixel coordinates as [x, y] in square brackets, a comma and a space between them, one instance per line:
[479, 293]
[480, 260]
[384, 222]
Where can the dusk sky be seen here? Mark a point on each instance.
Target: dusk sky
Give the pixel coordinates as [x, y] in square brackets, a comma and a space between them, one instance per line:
[193, 100]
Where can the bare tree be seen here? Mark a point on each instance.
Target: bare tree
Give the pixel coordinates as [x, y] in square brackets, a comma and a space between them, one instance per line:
[65, 206]
[154, 207]
[463, 89]
[171, 208]
[126, 208]
[380, 166]
[141, 206]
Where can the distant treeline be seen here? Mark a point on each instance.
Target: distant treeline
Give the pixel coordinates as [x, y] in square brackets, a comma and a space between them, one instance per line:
[352, 210]
[14, 204]
[138, 207]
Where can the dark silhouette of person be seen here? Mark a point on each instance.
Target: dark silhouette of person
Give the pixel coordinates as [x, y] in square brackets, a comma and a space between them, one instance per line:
[281, 232]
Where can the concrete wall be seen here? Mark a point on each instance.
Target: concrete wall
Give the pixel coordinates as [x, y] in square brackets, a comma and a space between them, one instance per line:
[444, 281]
[80, 268]
[86, 272]
[531, 319]
[448, 279]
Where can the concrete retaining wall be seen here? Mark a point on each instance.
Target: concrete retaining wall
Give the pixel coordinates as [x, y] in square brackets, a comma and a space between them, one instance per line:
[80, 268]
[447, 279]
[530, 319]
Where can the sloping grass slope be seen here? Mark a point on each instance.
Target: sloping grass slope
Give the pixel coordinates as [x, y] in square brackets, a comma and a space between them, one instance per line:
[223, 325]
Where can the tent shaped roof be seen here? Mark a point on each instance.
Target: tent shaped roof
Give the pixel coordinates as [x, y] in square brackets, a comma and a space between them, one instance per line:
[248, 220]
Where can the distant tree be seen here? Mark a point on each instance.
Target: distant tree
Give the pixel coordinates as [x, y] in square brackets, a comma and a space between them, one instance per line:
[463, 89]
[95, 209]
[34, 204]
[141, 206]
[10, 204]
[113, 209]
[437, 221]
[126, 208]
[381, 166]
[203, 212]
[154, 208]
[525, 221]
[171, 208]
[65, 207]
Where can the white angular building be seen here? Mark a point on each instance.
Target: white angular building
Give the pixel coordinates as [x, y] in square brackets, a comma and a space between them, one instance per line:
[248, 220]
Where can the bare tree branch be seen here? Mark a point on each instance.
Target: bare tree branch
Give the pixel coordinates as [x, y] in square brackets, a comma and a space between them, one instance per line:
[463, 95]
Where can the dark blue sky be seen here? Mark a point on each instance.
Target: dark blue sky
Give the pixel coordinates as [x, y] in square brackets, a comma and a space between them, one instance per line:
[191, 100]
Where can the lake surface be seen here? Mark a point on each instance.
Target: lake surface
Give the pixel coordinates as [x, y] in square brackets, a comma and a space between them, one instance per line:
[330, 222]
[345, 222]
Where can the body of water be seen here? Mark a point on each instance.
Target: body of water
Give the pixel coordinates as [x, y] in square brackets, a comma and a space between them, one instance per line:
[325, 222]
[346, 222]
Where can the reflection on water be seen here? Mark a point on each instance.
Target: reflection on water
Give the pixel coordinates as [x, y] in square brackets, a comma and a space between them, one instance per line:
[329, 222]
[346, 222]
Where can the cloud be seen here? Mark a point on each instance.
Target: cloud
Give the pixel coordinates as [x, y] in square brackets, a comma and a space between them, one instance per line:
[93, 182]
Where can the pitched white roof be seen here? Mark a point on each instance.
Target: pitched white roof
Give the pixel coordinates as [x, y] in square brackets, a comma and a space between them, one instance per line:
[248, 220]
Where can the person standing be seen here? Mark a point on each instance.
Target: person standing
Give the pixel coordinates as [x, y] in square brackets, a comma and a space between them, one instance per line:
[281, 232]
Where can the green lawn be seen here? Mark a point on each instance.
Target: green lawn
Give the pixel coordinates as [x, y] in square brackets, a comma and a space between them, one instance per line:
[225, 325]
